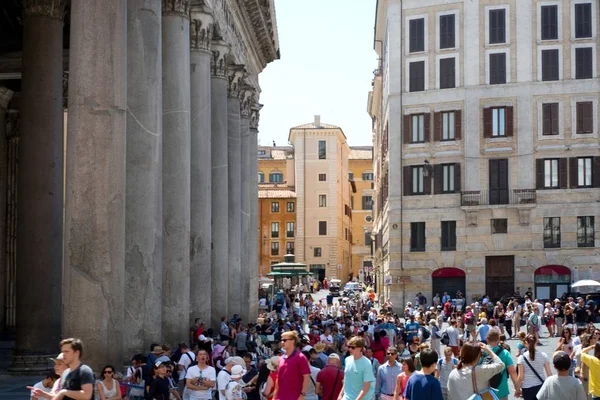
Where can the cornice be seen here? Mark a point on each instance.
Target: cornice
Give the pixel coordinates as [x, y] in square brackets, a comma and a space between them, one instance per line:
[218, 64]
[201, 27]
[176, 7]
[261, 16]
[44, 8]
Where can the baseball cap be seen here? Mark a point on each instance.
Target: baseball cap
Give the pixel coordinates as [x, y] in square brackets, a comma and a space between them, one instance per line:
[561, 361]
[334, 356]
[58, 358]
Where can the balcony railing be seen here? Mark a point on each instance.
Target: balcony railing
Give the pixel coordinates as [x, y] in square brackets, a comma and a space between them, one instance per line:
[498, 196]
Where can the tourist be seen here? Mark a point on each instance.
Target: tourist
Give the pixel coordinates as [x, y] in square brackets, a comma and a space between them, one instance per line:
[269, 388]
[561, 386]
[311, 393]
[408, 367]
[224, 329]
[559, 316]
[470, 323]
[45, 385]
[200, 379]
[78, 379]
[453, 337]
[508, 319]
[444, 367]
[137, 373]
[469, 377]
[233, 389]
[518, 310]
[374, 363]
[411, 329]
[330, 379]
[533, 368]
[493, 341]
[414, 346]
[187, 358]
[241, 339]
[359, 380]
[108, 387]
[533, 322]
[378, 347]
[593, 363]
[482, 330]
[224, 375]
[293, 373]
[160, 388]
[385, 382]
[424, 385]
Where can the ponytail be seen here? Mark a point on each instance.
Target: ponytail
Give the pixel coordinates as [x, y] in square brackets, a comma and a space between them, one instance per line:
[531, 346]
[459, 365]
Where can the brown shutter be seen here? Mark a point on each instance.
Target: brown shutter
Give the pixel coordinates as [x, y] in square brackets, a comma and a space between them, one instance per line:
[579, 117]
[407, 181]
[539, 173]
[487, 122]
[545, 119]
[554, 118]
[457, 175]
[427, 126]
[437, 126]
[407, 129]
[427, 183]
[562, 173]
[437, 179]
[596, 172]
[457, 125]
[509, 121]
[573, 172]
[588, 117]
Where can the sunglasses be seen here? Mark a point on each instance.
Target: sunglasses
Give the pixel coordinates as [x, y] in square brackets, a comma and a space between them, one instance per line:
[285, 340]
[353, 347]
[108, 372]
[391, 354]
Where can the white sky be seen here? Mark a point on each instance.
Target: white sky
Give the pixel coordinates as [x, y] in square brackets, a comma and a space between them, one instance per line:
[326, 68]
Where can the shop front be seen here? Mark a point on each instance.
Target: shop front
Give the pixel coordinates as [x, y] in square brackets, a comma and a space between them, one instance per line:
[448, 280]
[551, 281]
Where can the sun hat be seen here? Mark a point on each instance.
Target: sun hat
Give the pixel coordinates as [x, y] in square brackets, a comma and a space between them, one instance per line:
[334, 356]
[237, 372]
[319, 347]
[58, 358]
[157, 350]
[236, 360]
[273, 363]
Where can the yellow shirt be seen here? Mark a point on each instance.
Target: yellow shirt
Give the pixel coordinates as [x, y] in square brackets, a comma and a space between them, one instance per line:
[482, 314]
[593, 364]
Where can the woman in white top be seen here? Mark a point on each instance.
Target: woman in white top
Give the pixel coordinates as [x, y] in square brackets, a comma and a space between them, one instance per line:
[529, 366]
[109, 388]
[460, 381]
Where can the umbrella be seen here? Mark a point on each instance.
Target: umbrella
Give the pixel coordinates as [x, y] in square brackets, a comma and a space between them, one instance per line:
[585, 282]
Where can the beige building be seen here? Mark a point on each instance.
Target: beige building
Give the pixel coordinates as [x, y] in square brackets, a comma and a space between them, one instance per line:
[487, 160]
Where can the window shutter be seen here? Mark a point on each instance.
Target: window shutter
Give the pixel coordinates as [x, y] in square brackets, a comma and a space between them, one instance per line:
[545, 118]
[562, 173]
[487, 122]
[427, 127]
[407, 181]
[457, 124]
[437, 126]
[437, 179]
[579, 117]
[509, 121]
[554, 118]
[457, 175]
[573, 172]
[596, 172]
[539, 173]
[407, 129]
[588, 117]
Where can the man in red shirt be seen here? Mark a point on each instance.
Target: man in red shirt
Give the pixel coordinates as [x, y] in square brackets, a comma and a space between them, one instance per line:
[293, 374]
[330, 379]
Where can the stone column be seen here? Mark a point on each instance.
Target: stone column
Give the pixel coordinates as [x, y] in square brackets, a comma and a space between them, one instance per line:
[143, 205]
[253, 173]
[201, 167]
[40, 182]
[246, 184]
[176, 170]
[95, 177]
[234, 154]
[220, 193]
[5, 97]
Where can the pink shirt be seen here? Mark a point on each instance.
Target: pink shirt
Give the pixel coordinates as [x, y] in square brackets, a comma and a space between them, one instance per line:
[290, 376]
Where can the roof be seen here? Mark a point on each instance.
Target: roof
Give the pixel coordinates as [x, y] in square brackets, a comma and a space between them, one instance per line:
[276, 194]
[361, 153]
[313, 126]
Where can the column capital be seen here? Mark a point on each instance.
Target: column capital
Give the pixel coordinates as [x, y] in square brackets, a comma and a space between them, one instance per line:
[247, 99]
[201, 27]
[255, 115]
[218, 64]
[176, 7]
[44, 8]
[235, 72]
[5, 96]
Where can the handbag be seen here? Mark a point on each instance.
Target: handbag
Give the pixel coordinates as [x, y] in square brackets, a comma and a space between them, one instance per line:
[485, 394]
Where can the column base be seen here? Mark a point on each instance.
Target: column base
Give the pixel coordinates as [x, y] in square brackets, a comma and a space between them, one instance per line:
[31, 364]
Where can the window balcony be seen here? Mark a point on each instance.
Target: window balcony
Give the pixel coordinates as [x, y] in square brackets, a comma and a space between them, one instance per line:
[493, 197]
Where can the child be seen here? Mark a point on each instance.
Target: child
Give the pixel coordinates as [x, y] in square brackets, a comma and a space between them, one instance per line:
[522, 345]
[424, 385]
[562, 385]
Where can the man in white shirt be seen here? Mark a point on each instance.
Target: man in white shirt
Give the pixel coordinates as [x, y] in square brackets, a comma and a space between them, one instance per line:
[45, 385]
[200, 379]
[453, 337]
[187, 358]
[224, 376]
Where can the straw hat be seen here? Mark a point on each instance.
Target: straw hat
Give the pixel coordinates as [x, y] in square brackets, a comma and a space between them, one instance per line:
[319, 347]
[273, 363]
[157, 350]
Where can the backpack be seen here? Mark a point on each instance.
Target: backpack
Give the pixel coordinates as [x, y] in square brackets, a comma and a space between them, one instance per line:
[497, 379]
[445, 340]
[426, 333]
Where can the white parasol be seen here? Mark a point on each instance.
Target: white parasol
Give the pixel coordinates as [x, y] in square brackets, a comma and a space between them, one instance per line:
[585, 282]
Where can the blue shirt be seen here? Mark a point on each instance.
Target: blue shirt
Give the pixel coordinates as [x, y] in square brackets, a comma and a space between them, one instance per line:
[483, 330]
[411, 326]
[386, 378]
[356, 373]
[420, 387]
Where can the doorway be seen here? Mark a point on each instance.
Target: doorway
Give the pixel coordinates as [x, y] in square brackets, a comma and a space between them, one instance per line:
[551, 281]
[498, 178]
[448, 280]
[499, 276]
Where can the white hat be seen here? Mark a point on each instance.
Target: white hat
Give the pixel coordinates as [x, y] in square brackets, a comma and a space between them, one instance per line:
[273, 363]
[235, 360]
[334, 356]
[237, 372]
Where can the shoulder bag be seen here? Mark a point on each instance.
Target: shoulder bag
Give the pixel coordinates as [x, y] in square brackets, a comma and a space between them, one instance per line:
[531, 367]
[485, 394]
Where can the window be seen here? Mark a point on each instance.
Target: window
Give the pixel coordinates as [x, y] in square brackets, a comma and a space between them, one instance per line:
[367, 176]
[317, 252]
[499, 225]
[584, 172]
[274, 229]
[322, 200]
[322, 177]
[551, 232]
[367, 202]
[498, 122]
[322, 227]
[351, 175]
[448, 125]
[417, 35]
[261, 177]
[322, 150]
[550, 65]
[447, 38]
[585, 231]
[497, 68]
[549, 22]
[497, 26]
[583, 63]
[583, 20]
[275, 177]
[447, 73]
[417, 236]
[448, 175]
[275, 206]
[585, 117]
[262, 153]
[274, 248]
[418, 128]
[418, 180]
[290, 207]
[550, 119]
[448, 235]
[368, 239]
[289, 229]
[551, 173]
[417, 76]
[289, 248]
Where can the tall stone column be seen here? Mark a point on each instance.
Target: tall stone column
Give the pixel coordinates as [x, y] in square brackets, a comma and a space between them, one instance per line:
[5, 97]
[176, 169]
[201, 166]
[253, 172]
[234, 180]
[40, 182]
[220, 192]
[143, 206]
[246, 184]
[95, 177]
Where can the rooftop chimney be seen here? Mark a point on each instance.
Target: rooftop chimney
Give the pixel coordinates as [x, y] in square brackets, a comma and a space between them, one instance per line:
[318, 121]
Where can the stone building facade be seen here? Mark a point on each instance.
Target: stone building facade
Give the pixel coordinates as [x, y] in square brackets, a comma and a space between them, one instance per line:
[487, 160]
[128, 134]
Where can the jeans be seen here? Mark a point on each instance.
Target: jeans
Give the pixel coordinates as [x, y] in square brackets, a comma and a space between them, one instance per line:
[531, 393]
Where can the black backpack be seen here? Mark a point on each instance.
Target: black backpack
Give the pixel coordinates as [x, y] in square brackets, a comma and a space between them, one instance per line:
[497, 379]
[445, 340]
[426, 333]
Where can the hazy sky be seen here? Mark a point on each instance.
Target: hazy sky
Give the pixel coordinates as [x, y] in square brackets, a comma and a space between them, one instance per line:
[326, 68]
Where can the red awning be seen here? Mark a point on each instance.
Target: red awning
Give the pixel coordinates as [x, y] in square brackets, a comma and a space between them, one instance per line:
[448, 273]
[553, 270]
